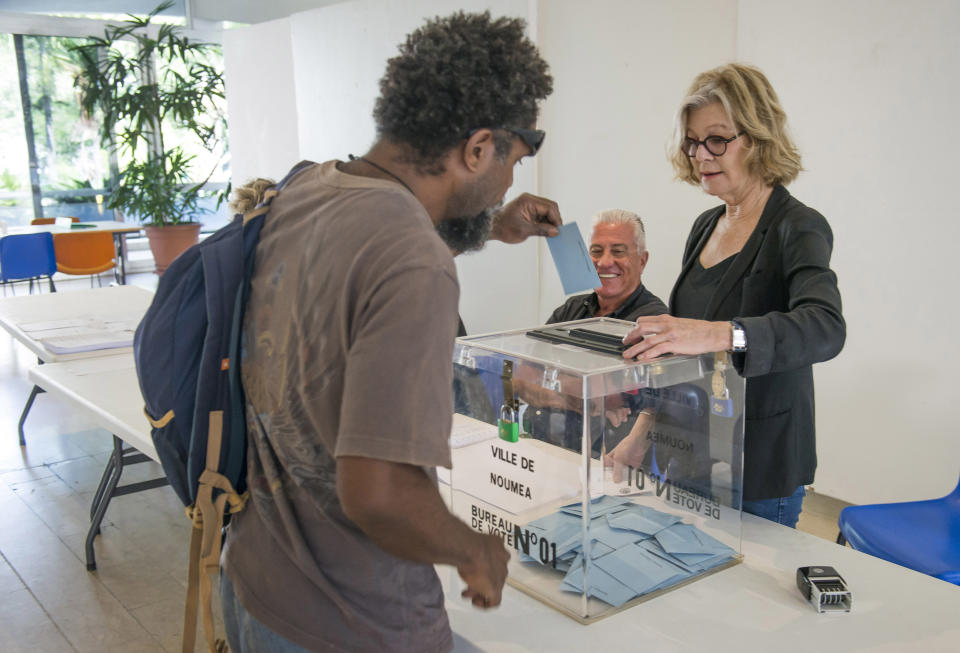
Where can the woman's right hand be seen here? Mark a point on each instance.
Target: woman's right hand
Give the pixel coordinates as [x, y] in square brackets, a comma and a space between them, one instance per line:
[664, 334]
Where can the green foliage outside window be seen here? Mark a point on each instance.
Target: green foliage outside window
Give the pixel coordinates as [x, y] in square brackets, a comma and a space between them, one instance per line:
[146, 79]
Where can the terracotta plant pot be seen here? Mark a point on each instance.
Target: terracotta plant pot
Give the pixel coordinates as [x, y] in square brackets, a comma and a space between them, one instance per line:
[170, 241]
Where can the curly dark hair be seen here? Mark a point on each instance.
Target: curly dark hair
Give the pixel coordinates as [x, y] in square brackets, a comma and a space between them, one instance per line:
[458, 73]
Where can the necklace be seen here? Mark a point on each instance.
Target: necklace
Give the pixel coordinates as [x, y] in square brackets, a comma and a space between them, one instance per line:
[381, 169]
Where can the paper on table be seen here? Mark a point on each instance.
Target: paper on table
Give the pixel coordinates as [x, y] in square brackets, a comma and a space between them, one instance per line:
[82, 333]
[572, 260]
[70, 326]
[91, 341]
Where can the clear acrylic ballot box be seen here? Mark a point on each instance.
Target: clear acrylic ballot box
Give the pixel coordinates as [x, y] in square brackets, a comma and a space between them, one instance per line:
[610, 481]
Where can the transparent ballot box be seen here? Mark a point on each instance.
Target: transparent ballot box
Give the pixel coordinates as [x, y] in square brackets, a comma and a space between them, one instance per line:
[611, 481]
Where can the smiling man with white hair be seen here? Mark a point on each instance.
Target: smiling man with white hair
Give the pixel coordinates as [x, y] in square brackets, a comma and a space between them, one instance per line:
[618, 249]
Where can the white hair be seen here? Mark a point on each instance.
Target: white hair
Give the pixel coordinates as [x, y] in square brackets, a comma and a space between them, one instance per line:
[619, 216]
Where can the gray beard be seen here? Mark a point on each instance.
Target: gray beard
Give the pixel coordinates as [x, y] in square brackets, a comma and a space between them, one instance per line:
[467, 234]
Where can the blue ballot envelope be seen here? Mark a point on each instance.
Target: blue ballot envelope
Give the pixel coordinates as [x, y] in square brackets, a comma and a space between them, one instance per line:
[572, 260]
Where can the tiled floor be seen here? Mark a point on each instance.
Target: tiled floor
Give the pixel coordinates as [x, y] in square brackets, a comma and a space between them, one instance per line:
[134, 601]
[48, 600]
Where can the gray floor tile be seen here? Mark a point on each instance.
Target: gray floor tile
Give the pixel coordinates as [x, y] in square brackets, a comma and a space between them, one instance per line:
[25, 627]
[9, 581]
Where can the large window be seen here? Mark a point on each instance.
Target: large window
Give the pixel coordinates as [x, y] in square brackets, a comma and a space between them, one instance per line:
[52, 162]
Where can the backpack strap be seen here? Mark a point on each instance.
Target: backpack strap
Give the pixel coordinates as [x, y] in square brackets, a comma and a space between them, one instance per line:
[207, 515]
[214, 490]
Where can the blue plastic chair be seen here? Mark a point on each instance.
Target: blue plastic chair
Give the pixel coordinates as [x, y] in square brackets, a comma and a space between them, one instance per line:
[27, 257]
[921, 535]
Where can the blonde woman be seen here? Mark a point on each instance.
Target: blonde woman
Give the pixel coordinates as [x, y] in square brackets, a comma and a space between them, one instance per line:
[755, 280]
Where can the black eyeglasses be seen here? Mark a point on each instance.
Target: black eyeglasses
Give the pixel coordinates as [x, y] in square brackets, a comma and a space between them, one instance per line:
[716, 145]
[532, 137]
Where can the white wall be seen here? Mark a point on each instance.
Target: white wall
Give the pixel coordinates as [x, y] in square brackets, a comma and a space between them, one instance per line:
[261, 101]
[871, 91]
[620, 69]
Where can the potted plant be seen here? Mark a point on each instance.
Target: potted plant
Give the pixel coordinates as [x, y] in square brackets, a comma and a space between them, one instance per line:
[147, 79]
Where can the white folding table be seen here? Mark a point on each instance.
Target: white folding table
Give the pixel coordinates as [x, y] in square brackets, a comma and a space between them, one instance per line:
[115, 303]
[102, 382]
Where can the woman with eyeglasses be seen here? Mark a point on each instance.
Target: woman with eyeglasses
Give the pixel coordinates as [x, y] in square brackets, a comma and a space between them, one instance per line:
[755, 280]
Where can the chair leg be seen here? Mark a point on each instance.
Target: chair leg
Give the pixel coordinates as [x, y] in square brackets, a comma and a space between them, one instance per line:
[53, 288]
[841, 540]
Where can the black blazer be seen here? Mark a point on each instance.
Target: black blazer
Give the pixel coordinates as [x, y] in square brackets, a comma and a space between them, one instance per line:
[781, 289]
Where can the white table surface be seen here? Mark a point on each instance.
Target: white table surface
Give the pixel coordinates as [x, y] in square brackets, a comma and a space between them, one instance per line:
[110, 226]
[106, 389]
[114, 302]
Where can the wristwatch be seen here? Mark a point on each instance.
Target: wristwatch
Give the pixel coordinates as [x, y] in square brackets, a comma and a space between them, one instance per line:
[739, 337]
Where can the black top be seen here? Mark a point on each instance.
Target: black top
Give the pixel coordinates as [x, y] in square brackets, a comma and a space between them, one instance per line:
[781, 289]
[697, 287]
[579, 307]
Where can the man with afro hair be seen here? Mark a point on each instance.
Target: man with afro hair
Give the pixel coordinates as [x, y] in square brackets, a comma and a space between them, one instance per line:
[348, 342]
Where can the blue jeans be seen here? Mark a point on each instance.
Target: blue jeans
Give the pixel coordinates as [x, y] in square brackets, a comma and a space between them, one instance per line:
[783, 510]
[244, 633]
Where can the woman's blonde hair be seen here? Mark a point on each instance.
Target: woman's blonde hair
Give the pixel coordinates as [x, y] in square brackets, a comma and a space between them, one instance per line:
[247, 197]
[751, 103]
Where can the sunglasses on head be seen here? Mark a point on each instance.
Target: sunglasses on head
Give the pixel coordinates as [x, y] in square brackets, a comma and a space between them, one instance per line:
[533, 138]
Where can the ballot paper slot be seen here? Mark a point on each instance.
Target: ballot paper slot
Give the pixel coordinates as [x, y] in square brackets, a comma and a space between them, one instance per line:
[610, 482]
[604, 343]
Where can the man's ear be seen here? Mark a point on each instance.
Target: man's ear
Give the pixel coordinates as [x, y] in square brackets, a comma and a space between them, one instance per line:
[478, 150]
[643, 260]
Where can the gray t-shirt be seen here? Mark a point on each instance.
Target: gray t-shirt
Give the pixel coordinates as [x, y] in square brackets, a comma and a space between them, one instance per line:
[348, 346]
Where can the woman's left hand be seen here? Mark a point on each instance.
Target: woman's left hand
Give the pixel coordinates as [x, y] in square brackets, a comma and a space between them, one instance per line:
[664, 334]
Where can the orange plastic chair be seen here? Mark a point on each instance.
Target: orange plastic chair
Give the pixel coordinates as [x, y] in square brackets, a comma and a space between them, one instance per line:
[85, 253]
[49, 220]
